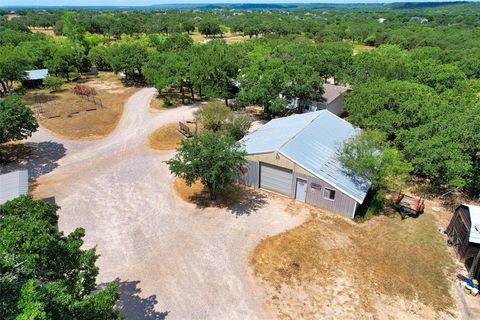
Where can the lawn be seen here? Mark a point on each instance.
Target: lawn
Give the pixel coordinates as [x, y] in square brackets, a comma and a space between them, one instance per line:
[334, 267]
[70, 116]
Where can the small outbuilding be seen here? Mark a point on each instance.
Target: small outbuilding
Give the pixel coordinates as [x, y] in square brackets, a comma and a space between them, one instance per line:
[297, 156]
[464, 233]
[13, 185]
[34, 78]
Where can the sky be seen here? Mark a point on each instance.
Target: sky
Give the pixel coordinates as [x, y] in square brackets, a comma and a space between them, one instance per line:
[4, 3]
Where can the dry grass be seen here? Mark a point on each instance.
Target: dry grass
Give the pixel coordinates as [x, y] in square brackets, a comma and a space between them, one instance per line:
[66, 114]
[401, 259]
[165, 138]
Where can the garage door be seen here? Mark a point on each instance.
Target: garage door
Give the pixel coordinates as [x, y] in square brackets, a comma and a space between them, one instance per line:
[275, 179]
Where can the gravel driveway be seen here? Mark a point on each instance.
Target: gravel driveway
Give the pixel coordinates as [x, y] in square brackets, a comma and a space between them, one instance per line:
[172, 259]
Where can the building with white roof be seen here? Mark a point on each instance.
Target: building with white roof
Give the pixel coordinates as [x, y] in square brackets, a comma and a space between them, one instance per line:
[297, 156]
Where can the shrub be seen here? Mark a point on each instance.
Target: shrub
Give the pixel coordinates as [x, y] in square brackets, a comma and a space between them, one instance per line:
[167, 103]
[53, 83]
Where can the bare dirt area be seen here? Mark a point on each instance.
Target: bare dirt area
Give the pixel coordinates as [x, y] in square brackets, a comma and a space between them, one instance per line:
[73, 117]
[47, 31]
[227, 37]
[172, 259]
[386, 268]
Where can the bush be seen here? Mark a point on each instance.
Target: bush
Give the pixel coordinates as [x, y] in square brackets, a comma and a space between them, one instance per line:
[237, 124]
[213, 115]
[52, 83]
[167, 103]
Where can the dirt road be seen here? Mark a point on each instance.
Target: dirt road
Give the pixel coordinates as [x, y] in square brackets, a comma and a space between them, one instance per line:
[170, 257]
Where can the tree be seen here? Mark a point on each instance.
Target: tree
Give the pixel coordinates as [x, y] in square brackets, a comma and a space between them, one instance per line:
[13, 65]
[99, 57]
[128, 57]
[370, 157]
[53, 83]
[16, 120]
[72, 28]
[390, 106]
[209, 28]
[188, 26]
[65, 59]
[213, 115]
[211, 157]
[263, 84]
[45, 274]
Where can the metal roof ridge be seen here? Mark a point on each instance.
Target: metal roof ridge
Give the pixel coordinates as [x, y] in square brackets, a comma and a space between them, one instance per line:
[299, 131]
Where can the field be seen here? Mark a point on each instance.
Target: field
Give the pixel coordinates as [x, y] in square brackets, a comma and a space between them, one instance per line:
[384, 268]
[357, 48]
[228, 37]
[47, 31]
[72, 117]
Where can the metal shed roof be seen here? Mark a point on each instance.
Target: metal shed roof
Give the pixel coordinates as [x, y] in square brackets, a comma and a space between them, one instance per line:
[13, 185]
[475, 223]
[36, 74]
[311, 140]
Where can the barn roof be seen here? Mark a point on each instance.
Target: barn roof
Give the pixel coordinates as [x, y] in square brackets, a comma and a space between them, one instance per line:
[312, 141]
[36, 74]
[13, 185]
[475, 223]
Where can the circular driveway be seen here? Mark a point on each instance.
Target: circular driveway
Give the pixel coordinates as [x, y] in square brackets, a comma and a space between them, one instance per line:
[172, 259]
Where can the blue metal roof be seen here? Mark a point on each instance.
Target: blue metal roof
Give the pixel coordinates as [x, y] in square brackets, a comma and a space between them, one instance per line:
[312, 141]
[36, 74]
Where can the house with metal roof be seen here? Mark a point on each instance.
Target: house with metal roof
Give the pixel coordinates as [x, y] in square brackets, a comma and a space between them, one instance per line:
[13, 185]
[297, 156]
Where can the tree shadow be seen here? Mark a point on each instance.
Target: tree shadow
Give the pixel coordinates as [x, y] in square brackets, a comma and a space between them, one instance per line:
[248, 201]
[40, 98]
[134, 307]
[38, 158]
[239, 200]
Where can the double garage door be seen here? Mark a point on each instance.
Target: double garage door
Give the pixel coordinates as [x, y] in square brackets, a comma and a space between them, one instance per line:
[276, 179]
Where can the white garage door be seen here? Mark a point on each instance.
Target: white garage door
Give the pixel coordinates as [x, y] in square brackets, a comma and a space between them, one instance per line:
[275, 179]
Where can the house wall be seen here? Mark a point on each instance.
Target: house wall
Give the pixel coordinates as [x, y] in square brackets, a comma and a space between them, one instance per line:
[278, 160]
[336, 106]
[343, 204]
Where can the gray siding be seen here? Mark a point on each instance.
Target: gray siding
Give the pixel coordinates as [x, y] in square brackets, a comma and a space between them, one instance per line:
[252, 176]
[343, 204]
[336, 106]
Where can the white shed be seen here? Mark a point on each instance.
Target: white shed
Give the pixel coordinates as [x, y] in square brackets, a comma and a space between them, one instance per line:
[13, 185]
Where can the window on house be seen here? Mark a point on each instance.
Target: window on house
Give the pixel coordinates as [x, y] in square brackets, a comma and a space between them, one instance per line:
[316, 187]
[329, 194]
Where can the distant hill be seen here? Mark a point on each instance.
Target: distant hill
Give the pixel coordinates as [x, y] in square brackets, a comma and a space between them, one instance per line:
[259, 6]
